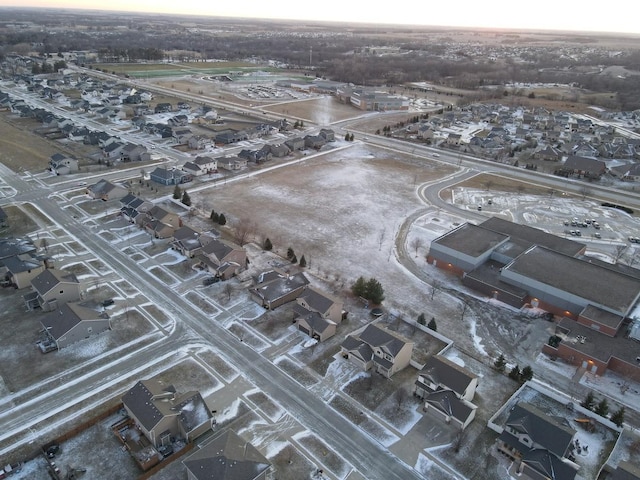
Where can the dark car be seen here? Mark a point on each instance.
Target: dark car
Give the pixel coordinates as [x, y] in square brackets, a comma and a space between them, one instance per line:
[210, 281]
[108, 302]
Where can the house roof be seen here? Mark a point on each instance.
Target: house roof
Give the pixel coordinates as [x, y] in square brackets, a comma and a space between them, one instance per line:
[442, 371]
[375, 336]
[446, 401]
[584, 164]
[601, 286]
[103, 187]
[544, 430]
[279, 287]
[10, 247]
[219, 249]
[472, 240]
[316, 300]
[67, 316]
[626, 471]
[49, 278]
[549, 465]
[227, 457]
[314, 320]
[21, 263]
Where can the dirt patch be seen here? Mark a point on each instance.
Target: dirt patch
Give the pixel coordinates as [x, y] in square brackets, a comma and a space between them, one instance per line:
[19, 222]
[503, 184]
[373, 389]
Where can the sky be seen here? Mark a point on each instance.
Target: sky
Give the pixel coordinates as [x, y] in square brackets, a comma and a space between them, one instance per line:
[542, 14]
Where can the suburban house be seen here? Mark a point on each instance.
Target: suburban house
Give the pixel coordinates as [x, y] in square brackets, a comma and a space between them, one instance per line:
[134, 153]
[379, 349]
[231, 136]
[166, 176]
[135, 208]
[272, 289]
[232, 163]
[71, 322]
[295, 144]
[317, 314]
[448, 389]
[187, 241]
[629, 171]
[227, 457]
[626, 471]
[328, 134]
[314, 141]
[52, 288]
[223, 259]
[62, 165]
[162, 413]
[21, 268]
[105, 190]
[161, 223]
[540, 445]
[201, 166]
[584, 166]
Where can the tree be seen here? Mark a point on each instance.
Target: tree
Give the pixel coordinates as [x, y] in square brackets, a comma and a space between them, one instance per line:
[222, 220]
[268, 246]
[186, 199]
[602, 408]
[421, 319]
[294, 259]
[514, 374]
[215, 217]
[464, 306]
[228, 290]
[303, 262]
[589, 401]
[346, 137]
[400, 396]
[359, 288]
[618, 417]
[500, 364]
[526, 374]
[290, 253]
[375, 292]
[436, 286]
[177, 192]
[618, 252]
[416, 243]
[432, 325]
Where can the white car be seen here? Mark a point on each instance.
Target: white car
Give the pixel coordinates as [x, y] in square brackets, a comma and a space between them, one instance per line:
[436, 155]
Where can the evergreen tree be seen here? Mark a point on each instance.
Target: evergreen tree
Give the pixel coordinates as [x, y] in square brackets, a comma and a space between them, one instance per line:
[351, 138]
[526, 374]
[346, 137]
[290, 253]
[618, 417]
[267, 245]
[222, 220]
[294, 259]
[515, 373]
[359, 288]
[303, 262]
[432, 325]
[589, 402]
[500, 364]
[374, 291]
[421, 319]
[177, 193]
[602, 408]
[186, 199]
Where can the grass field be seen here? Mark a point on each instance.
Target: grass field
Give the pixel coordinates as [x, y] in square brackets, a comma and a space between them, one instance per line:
[146, 70]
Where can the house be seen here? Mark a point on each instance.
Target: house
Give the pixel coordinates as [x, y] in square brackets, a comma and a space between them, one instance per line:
[230, 136]
[232, 163]
[448, 389]
[163, 107]
[192, 169]
[626, 471]
[549, 154]
[4, 219]
[328, 134]
[186, 240]
[182, 135]
[629, 172]
[272, 289]
[227, 457]
[279, 151]
[379, 349]
[206, 164]
[161, 223]
[317, 314]
[224, 259]
[134, 208]
[113, 149]
[161, 413]
[295, 144]
[62, 165]
[52, 288]
[105, 190]
[587, 167]
[454, 139]
[199, 142]
[134, 153]
[314, 141]
[540, 445]
[71, 322]
[166, 176]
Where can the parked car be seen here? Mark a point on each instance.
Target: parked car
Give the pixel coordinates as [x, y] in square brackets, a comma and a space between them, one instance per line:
[210, 281]
[597, 235]
[46, 346]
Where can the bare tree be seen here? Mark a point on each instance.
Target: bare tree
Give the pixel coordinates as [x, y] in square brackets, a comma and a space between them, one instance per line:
[436, 286]
[632, 257]
[228, 290]
[464, 307]
[381, 238]
[400, 396]
[457, 443]
[242, 231]
[551, 192]
[488, 184]
[416, 243]
[618, 252]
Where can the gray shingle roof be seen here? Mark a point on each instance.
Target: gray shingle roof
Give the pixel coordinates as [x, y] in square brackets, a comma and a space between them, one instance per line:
[442, 371]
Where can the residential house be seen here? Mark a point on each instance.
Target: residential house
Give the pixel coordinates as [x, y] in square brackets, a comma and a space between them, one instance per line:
[62, 165]
[279, 151]
[629, 172]
[540, 445]
[549, 153]
[199, 142]
[317, 314]
[52, 288]
[328, 134]
[192, 169]
[71, 322]
[113, 150]
[272, 289]
[223, 259]
[135, 208]
[134, 153]
[227, 457]
[448, 389]
[454, 139]
[587, 167]
[166, 176]
[206, 164]
[186, 240]
[231, 163]
[295, 144]
[163, 107]
[230, 136]
[105, 190]
[160, 412]
[182, 135]
[160, 223]
[314, 141]
[379, 349]
[4, 219]
[20, 270]
[180, 120]
[626, 471]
